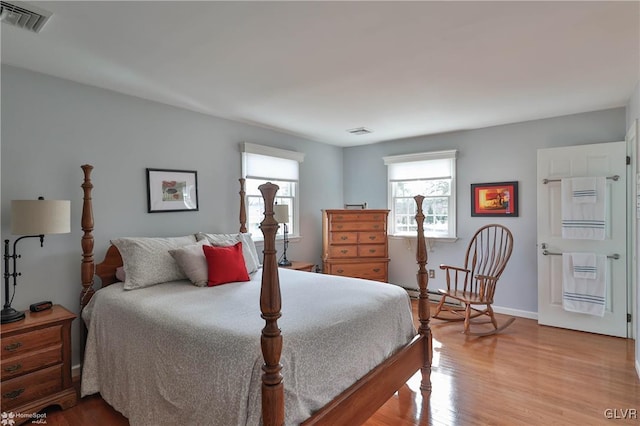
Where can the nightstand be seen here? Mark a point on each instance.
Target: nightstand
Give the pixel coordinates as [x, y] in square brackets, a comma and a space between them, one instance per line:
[36, 362]
[301, 266]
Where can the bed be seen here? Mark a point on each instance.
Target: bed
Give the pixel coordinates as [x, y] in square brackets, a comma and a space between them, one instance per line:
[285, 347]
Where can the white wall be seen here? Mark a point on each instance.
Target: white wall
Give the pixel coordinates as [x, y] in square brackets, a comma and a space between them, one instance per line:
[51, 126]
[494, 154]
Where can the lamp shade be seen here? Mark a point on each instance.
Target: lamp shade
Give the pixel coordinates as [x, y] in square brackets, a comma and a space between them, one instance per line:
[40, 217]
[281, 213]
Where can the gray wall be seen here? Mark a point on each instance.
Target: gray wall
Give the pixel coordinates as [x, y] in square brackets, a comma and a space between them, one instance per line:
[51, 126]
[494, 154]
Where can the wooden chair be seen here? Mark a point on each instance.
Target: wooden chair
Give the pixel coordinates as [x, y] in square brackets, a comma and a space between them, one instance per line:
[475, 283]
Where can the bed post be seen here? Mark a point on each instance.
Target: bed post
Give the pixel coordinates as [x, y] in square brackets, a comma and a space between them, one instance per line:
[243, 208]
[423, 301]
[87, 267]
[270, 305]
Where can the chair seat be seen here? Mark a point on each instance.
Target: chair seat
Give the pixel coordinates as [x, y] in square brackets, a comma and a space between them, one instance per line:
[464, 296]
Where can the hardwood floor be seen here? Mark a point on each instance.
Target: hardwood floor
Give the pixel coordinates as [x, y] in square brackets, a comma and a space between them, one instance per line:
[528, 375]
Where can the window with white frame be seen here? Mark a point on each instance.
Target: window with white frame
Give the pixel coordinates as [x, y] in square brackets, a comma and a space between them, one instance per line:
[432, 175]
[261, 164]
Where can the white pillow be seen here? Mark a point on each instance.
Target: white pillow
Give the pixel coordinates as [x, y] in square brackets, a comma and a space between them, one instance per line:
[192, 262]
[251, 260]
[147, 260]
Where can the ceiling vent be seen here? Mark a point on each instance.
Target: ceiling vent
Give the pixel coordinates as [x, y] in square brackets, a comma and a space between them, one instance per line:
[23, 15]
[360, 131]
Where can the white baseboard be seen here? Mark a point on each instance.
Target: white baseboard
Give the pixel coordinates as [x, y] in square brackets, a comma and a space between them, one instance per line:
[515, 312]
[638, 367]
[76, 370]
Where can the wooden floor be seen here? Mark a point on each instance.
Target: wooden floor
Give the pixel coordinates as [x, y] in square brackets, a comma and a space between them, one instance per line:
[528, 375]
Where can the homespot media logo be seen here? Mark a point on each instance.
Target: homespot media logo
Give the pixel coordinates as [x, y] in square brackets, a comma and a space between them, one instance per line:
[9, 419]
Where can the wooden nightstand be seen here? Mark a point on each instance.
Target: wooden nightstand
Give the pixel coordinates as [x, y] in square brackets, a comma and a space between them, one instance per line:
[301, 266]
[36, 362]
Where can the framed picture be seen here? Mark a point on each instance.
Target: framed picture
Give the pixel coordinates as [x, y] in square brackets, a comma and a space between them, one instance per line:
[494, 199]
[172, 190]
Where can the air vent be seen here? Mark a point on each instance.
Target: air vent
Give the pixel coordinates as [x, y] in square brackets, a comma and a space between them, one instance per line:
[23, 15]
[360, 131]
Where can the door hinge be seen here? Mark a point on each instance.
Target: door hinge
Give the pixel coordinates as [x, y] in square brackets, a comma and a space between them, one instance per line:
[628, 317]
[628, 160]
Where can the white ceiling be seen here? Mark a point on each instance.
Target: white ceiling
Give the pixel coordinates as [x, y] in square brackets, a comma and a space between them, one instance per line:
[316, 69]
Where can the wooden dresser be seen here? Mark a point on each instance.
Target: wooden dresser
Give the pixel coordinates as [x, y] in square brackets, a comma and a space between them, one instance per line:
[36, 362]
[354, 243]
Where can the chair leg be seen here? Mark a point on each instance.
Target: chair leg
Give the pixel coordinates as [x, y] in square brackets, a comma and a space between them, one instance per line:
[467, 318]
[492, 316]
[439, 307]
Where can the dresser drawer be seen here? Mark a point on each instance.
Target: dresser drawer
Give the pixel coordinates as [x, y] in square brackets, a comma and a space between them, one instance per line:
[359, 217]
[358, 226]
[372, 250]
[31, 386]
[25, 342]
[22, 364]
[372, 270]
[343, 237]
[337, 251]
[372, 238]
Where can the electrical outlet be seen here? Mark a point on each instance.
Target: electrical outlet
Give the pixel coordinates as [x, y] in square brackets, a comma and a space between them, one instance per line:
[432, 273]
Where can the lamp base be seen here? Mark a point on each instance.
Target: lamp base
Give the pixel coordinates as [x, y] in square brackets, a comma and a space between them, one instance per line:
[284, 262]
[11, 315]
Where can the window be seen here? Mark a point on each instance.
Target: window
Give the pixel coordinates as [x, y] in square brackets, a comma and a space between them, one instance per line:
[262, 164]
[431, 174]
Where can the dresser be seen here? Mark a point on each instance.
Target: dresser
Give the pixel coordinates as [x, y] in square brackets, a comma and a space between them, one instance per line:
[36, 362]
[354, 243]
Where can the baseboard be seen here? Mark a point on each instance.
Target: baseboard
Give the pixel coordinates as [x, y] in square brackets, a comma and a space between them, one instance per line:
[76, 371]
[638, 367]
[515, 312]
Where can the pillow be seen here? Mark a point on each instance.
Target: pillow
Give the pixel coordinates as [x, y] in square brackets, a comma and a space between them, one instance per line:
[192, 262]
[226, 264]
[147, 260]
[120, 275]
[251, 259]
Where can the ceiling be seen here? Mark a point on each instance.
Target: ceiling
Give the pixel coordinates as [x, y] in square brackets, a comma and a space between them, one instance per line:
[317, 69]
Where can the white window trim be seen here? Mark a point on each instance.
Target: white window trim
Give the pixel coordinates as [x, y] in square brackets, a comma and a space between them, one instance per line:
[426, 156]
[295, 234]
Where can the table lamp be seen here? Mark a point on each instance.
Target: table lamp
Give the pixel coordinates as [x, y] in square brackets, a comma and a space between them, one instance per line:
[31, 219]
[281, 215]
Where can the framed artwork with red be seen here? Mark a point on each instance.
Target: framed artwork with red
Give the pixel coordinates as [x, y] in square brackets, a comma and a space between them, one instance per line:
[494, 199]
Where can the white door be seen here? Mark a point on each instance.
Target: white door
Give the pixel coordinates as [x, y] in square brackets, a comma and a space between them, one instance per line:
[605, 159]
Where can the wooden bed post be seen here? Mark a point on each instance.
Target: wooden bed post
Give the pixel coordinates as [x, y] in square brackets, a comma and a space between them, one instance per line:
[423, 301]
[243, 208]
[87, 268]
[270, 305]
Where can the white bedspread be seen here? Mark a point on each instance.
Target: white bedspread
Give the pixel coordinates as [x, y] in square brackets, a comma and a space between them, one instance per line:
[179, 354]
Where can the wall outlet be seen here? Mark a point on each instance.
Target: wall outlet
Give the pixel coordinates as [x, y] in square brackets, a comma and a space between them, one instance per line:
[432, 273]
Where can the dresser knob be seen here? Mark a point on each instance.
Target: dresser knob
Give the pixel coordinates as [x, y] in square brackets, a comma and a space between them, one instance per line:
[12, 347]
[340, 271]
[372, 250]
[344, 251]
[372, 237]
[376, 270]
[344, 237]
[13, 394]
[339, 226]
[13, 368]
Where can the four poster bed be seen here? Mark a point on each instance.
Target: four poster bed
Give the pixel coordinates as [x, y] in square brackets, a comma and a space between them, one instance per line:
[174, 353]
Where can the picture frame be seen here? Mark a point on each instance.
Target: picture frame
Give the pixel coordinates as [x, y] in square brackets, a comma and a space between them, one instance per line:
[495, 199]
[172, 190]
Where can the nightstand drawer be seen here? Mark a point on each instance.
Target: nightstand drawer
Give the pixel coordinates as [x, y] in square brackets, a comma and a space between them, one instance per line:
[25, 342]
[30, 387]
[18, 365]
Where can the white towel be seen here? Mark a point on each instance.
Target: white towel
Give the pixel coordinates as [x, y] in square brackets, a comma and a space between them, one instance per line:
[584, 265]
[584, 295]
[583, 220]
[584, 190]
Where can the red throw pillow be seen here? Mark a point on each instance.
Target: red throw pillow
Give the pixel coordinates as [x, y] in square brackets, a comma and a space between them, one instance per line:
[226, 264]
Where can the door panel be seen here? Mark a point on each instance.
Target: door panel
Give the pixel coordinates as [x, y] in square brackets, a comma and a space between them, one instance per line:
[607, 159]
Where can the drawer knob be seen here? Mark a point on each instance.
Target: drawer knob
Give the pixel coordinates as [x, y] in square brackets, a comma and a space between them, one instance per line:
[344, 251]
[376, 226]
[372, 250]
[376, 270]
[339, 226]
[344, 237]
[372, 237]
[13, 394]
[13, 368]
[340, 271]
[12, 347]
